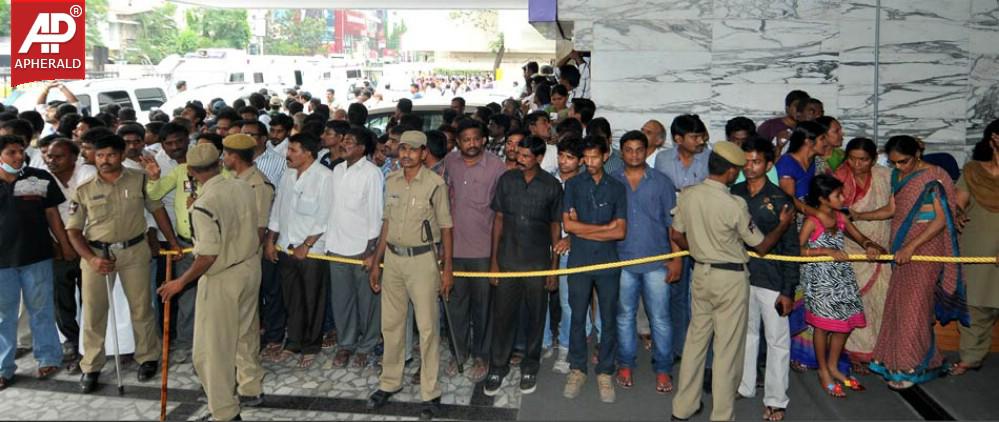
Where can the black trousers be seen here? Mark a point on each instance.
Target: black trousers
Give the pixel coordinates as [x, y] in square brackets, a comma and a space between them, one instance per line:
[469, 307]
[272, 313]
[508, 299]
[304, 285]
[66, 280]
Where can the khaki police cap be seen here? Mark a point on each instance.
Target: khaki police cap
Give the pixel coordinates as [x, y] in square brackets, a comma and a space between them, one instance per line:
[730, 152]
[202, 155]
[414, 138]
[239, 141]
[275, 100]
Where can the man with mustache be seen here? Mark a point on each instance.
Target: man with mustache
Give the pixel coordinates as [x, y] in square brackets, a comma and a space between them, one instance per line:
[416, 219]
[527, 223]
[106, 213]
[472, 177]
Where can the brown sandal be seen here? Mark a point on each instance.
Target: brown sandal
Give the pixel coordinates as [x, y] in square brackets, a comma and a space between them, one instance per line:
[47, 371]
[307, 360]
[282, 356]
[341, 359]
[960, 368]
[773, 413]
[329, 340]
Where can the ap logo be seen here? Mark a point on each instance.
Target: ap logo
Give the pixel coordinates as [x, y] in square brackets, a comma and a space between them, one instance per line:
[50, 36]
[50, 30]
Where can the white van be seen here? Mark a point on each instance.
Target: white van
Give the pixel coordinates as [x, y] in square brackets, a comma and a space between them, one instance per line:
[142, 95]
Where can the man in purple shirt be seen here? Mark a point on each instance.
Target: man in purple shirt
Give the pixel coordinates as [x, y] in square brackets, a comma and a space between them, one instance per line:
[778, 129]
[472, 178]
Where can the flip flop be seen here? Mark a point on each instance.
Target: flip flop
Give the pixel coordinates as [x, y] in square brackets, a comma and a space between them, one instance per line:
[306, 361]
[960, 368]
[771, 413]
[853, 384]
[835, 390]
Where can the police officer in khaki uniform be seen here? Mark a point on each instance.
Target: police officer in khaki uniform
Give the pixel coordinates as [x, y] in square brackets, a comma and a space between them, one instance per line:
[415, 197]
[237, 157]
[106, 213]
[227, 269]
[713, 225]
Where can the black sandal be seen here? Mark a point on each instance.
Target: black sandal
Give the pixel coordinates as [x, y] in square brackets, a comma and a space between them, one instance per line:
[4, 383]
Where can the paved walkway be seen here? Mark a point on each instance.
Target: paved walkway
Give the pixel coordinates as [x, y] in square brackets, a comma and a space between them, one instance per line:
[324, 393]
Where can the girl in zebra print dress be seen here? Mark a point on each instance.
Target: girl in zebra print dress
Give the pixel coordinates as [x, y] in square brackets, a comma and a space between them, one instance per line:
[832, 298]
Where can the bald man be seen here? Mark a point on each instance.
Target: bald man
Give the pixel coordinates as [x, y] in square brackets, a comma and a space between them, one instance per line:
[656, 132]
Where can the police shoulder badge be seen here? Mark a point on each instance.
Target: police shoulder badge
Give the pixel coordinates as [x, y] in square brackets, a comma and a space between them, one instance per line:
[73, 206]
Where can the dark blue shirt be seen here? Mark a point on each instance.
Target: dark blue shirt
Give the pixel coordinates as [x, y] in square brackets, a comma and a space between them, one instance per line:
[648, 218]
[595, 203]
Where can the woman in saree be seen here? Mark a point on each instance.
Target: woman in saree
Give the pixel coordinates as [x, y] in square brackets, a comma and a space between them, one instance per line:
[978, 199]
[866, 187]
[922, 223]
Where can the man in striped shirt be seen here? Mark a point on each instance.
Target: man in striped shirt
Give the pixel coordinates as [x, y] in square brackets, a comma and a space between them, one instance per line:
[269, 162]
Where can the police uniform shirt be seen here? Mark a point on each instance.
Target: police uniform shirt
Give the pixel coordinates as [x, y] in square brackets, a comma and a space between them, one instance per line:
[111, 211]
[716, 222]
[219, 219]
[407, 204]
[263, 191]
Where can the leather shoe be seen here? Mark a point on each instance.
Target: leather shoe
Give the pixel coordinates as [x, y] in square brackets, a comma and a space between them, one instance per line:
[88, 382]
[430, 409]
[147, 370]
[380, 398]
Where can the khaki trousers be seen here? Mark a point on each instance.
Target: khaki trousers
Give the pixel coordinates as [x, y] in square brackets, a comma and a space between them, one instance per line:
[404, 279]
[132, 265]
[227, 337]
[718, 307]
[976, 339]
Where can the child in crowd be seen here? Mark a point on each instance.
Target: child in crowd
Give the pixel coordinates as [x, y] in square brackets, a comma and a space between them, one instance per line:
[832, 298]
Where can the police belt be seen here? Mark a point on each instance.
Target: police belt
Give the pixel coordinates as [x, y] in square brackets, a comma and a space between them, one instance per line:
[730, 266]
[117, 245]
[410, 251]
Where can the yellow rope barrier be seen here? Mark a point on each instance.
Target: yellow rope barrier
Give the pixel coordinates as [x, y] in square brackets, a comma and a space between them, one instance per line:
[620, 264]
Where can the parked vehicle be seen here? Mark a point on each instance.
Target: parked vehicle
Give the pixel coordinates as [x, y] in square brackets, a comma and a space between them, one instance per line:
[142, 95]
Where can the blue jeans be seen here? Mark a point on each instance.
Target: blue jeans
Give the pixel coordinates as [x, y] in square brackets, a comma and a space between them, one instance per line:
[655, 294]
[679, 307]
[580, 294]
[566, 320]
[34, 281]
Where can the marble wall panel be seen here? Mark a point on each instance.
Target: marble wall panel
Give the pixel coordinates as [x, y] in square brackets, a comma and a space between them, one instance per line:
[764, 101]
[777, 9]
[635, 9]
[985, 13]
[906, 37]
[646, 35]
[582, 35]
[653, 97]
[936, 69]
[774, 51]
[956, 11]
[652, 66]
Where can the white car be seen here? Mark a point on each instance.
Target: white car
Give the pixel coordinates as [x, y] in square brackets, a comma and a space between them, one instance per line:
[142, 95]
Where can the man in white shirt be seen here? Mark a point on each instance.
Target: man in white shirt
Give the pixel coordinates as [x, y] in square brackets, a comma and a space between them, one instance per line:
[49, 110]
[352, 232]
[656, 133]
[298, 220]
[280, 129]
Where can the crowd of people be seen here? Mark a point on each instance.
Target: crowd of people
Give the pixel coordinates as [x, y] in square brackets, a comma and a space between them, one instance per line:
[251, 190]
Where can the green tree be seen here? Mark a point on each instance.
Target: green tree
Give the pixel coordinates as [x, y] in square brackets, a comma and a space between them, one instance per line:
[221, 28]
[4, 18]
[394, 39]
[157, 35]
[288, 34]
[97, 12]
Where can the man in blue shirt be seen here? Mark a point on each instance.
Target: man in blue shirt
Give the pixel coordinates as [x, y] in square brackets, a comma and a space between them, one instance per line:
[594, 209]
[686, 164]
[651, 197]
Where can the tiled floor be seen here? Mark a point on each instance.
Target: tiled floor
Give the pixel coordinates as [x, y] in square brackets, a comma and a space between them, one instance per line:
[292, 393]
